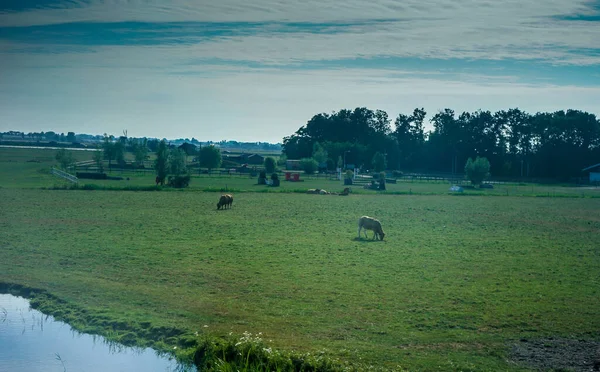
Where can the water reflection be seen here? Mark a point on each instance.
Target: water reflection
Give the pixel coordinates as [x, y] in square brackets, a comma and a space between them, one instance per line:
[32, 341]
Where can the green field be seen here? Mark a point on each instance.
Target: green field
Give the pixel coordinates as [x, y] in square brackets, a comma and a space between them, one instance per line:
[457, 281]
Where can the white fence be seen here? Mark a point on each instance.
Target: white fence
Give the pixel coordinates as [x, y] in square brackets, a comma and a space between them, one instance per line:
[65, 175]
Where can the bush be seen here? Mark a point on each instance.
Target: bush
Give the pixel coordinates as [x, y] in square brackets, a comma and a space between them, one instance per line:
[382, 181]
[478, 170]
[262, 178]
[251, 353]
[180, 181]
[275, 179]
[269, 164]
[309, 165]
[229, 164]
[91, 176]
[64, 158]
[348, 177]
[282, 160]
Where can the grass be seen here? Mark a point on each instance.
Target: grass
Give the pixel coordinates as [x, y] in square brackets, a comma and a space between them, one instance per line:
[456, 281]
[30, 168]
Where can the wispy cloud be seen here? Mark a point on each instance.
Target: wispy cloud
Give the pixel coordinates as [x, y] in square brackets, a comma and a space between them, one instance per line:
[267, 30]
[275, 63]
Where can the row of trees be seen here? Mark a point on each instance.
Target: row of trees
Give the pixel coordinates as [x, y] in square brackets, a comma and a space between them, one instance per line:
[517, 144]
[37, 136]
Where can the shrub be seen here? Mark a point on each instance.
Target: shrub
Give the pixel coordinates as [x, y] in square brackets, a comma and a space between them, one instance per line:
[269, 164]
[309, 165]
[282, 160]
[91, 176]
[180, 181]
[262, 178]
[382, 181]
[478, 170]
[229, 164]
[275, 179]
[64, 158]
[348, 177]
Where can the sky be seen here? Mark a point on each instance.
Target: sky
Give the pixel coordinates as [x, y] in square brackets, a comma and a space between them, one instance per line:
[259, 70]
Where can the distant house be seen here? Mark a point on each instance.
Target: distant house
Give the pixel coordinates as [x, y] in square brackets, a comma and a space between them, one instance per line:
[594, 172]
[188, 148]
[252, 159]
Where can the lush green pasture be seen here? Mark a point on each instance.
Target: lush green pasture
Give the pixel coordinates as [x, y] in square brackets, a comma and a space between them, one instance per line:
[456, 280]
[30, 168]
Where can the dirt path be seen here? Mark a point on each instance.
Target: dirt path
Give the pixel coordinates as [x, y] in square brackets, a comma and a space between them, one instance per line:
[557, 354]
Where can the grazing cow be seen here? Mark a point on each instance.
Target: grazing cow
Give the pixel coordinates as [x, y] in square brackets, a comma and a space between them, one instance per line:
[229, 200]
[370, 223]
[225, 201]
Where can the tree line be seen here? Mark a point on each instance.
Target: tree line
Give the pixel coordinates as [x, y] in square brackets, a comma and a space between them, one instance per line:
[556, 145]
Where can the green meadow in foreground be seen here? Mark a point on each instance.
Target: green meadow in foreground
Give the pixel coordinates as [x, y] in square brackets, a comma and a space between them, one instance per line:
[456, 282]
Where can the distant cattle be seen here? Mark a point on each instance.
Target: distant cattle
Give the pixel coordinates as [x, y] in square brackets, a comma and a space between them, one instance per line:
[317, 191]
[345, 192]
[370, 223]
[225, 201]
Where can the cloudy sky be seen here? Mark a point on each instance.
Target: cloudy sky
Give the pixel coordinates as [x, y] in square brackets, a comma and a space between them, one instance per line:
[257, 70]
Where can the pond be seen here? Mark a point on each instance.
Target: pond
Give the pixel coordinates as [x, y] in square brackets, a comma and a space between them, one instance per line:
[32, 341]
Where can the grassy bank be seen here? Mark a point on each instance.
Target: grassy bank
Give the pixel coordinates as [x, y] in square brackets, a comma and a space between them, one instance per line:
[456, 280]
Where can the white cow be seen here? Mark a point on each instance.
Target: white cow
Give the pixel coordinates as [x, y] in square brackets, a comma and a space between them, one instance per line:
[370, 223]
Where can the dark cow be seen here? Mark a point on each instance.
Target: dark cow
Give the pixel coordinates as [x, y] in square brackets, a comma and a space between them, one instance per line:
[225, 201]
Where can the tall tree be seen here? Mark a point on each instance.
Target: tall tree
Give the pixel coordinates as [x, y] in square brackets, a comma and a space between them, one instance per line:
[64, 158]
[410, 137]
[177, 164]
[108, 148]
[161, 164]
[319, 153]
[98, 156]
[379, 162]
[140, 151]
[210, 157]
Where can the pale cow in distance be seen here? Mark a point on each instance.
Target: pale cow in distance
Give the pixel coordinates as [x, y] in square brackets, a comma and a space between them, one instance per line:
[370, 223]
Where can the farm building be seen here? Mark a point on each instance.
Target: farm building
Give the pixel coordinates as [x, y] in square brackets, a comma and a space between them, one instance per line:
[189, 148]
[594, 172]
[253, 158]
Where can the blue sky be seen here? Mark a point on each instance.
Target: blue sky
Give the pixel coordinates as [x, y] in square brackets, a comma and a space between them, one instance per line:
[258, 70]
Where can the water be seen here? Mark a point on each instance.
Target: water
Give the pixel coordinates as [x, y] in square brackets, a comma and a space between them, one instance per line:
[32, 341]
[50, 148]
